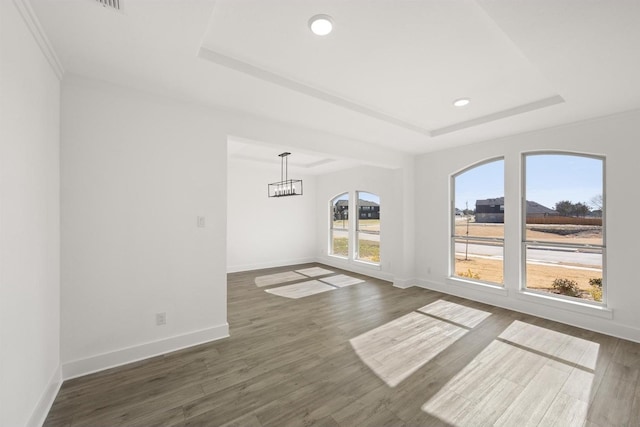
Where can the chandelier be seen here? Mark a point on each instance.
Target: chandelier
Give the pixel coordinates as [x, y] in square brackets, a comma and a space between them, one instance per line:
[285, 187]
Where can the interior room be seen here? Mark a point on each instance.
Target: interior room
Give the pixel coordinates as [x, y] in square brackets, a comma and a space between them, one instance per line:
[328, 213]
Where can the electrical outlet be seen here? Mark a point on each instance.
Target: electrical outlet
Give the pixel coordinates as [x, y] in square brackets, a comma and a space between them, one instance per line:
[201, 222]
[161, 319]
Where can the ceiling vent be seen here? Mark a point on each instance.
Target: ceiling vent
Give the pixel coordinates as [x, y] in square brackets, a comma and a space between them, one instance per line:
[111, 4]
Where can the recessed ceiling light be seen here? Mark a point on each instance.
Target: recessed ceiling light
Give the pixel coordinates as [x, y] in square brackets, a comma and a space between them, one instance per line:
[321, 25]
[462, 102]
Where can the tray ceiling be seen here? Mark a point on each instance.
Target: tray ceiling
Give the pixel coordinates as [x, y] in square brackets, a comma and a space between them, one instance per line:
[386, 75]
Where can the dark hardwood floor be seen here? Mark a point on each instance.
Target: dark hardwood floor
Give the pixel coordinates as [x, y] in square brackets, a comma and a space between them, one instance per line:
[368, 355]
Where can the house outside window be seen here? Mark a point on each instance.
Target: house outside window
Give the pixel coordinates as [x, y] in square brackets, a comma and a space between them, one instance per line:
[368, 227]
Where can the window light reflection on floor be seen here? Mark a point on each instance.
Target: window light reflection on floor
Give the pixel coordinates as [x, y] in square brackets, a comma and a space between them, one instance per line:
[301, 290]
[399, 348]
[290, 276]
[277, 278]
[529, 375]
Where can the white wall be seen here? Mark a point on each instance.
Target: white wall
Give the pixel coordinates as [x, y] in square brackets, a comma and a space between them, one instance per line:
[613, 137]
[29, 223]
[267, 232]
[386, 183]
[136, 172]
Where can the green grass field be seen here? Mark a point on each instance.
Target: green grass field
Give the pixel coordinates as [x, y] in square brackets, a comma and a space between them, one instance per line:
[368, 250]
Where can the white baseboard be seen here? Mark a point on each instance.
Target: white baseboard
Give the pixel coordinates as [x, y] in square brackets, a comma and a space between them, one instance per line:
[563, 315]
[39, 414]
[355, 267]
[78, 368]
[271, 264]
[404, 283]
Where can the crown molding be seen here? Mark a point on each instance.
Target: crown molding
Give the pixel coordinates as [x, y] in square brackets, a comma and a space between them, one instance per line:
[31, 20]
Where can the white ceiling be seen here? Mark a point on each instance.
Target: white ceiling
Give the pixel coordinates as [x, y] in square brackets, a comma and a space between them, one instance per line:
[302, 162]
[388, 73]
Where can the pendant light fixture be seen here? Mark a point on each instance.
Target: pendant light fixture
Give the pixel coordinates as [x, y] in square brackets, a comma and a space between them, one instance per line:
[285, 187]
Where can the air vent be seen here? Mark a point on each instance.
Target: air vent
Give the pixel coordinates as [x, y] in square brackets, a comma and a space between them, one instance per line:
[111, 4]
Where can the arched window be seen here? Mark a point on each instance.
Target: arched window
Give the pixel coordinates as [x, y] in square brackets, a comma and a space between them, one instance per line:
[339, 228]
[368, 227]
[563, 225]
[477, 223]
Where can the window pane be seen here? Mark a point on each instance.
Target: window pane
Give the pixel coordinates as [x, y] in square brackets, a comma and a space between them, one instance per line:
[479, 260]
[573, 272]
[479, 201]
[478, 217]
[368, 227]
[340, 226]
[564, 202]
[564, 230]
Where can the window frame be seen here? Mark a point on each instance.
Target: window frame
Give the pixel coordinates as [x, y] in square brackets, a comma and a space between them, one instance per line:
[524, 243]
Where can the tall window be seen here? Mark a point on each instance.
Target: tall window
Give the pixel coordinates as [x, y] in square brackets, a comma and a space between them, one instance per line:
[368, 227]
[339, 238]
[563, 236]
[477, 235]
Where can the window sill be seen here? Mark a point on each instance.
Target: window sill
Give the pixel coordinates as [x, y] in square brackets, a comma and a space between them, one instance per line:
[478, 286]
[575, 306]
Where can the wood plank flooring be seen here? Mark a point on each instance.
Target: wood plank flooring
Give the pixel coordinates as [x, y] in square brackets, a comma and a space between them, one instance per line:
[368, 355]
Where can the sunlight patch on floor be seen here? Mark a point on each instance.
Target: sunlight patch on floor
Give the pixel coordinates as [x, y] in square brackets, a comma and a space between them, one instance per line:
[342, 280]
[460, 314]
[314, 271]
[300, 290]
[529, 375]
[277, 278]
[399, 348]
